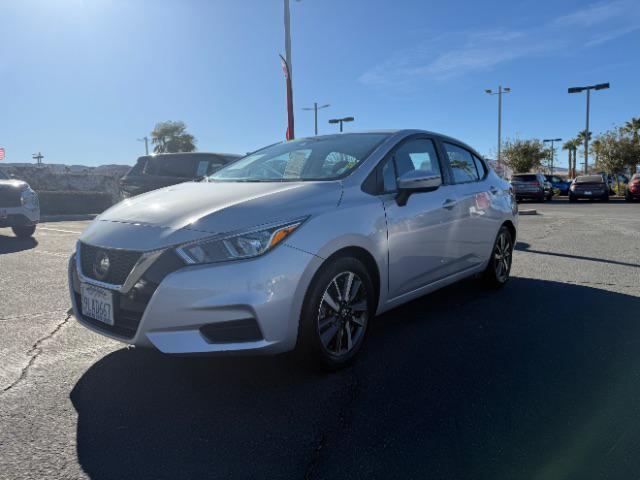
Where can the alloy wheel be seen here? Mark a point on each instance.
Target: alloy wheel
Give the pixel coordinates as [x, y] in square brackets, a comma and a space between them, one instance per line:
[343, 314]
[502, 254]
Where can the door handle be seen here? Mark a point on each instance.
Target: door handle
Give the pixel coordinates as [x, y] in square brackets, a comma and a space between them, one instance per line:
[449, 204]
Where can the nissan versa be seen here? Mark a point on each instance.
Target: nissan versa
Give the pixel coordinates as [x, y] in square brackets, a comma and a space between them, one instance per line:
[297, 245]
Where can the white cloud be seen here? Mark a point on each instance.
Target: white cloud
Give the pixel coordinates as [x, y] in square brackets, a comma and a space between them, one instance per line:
[460, 53]
[595, 14]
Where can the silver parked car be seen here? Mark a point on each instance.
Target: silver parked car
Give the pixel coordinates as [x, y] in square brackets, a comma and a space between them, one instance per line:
[299, 244]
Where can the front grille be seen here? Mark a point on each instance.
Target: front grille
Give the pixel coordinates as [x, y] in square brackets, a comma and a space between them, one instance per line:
[9, 196]
[129, 308]
[121, 263]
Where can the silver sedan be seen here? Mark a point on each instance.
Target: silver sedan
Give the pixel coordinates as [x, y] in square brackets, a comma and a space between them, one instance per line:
[295, 246]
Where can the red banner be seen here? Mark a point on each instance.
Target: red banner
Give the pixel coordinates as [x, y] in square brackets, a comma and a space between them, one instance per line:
[287, 76]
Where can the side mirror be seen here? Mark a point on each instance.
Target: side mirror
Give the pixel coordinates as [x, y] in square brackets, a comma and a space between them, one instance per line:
[416, 181]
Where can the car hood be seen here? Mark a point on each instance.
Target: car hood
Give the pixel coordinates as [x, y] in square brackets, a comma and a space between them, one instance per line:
[219, 207]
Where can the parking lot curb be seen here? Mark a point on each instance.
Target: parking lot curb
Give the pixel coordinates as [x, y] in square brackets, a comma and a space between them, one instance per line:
[531, 211]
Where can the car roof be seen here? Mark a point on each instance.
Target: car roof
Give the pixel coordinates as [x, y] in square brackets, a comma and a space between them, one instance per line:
[399, 132]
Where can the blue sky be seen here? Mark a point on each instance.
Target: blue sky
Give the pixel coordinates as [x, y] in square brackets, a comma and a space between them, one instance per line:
[81, 80]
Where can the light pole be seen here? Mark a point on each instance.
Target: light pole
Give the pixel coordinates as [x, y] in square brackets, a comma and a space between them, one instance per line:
[315, 109]
[588, 88]
[341, 121]
[552, 140]
[500, 92]
[146, 144]
[38, 157]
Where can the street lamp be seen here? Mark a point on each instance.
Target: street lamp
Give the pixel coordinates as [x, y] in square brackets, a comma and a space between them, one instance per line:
[341, 121]
[315, 109]
[600, 86]
[500, 92]
[552, 140]
[146, 143]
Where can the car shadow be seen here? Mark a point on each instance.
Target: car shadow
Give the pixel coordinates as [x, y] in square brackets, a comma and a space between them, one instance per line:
[525, 247]
[539, 379]
[10, 244]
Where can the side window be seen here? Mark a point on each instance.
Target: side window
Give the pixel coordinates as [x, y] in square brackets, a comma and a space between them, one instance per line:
[418, 154]
[480, 167]
[461, 163]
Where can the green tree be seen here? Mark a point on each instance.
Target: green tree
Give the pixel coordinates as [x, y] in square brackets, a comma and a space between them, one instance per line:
[633, 127]
[172, 137]
[596, 145]
[523, 155]
[618, 151]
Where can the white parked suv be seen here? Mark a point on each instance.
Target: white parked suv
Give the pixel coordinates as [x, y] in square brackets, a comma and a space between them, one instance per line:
[19, 206]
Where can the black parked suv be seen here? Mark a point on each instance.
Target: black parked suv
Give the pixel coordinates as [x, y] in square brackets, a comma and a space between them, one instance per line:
[531, 186]
[589, 186]
[156, 171]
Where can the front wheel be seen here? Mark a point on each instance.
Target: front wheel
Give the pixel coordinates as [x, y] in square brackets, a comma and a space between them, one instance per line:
[24, 232]
[499, 268]
[336, 313]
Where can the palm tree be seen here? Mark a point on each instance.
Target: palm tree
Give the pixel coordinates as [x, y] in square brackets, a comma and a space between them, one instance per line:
[633, 127]
[568, 146]
[580, 140]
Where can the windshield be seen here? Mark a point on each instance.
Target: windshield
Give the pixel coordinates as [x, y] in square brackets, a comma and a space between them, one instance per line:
[320, 158]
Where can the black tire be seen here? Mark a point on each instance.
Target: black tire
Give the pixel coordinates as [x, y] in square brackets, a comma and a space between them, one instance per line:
[628, 198]
[339, 326]
[496, 275]
[572, 198]
[605, 198]
[24, 232]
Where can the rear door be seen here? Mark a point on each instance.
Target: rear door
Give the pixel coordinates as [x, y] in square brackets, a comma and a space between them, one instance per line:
[420, 233]
[478, 222]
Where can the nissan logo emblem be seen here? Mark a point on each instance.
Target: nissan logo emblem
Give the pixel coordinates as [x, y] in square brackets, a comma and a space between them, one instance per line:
[101, 265]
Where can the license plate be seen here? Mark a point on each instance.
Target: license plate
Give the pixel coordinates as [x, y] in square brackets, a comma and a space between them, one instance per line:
[97, 303]
[587, 192]
[3, 213]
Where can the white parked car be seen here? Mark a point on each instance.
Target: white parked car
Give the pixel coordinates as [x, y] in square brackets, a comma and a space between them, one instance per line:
[299, 244]
[19, 207]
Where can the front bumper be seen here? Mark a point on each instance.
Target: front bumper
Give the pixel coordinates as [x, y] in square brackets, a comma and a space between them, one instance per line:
[20, 217]
[250, 306]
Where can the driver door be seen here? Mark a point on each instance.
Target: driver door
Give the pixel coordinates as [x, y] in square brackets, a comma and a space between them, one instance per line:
[421, 250]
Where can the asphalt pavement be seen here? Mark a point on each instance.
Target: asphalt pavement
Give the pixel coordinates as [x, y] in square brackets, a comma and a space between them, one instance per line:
[540, 380]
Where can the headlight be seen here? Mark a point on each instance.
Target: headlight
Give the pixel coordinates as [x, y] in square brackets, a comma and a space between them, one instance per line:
[237, 246]
[29, 199]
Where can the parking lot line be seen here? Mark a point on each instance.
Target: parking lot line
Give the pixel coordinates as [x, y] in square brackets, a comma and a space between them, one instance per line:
[55, 254]
[59, 230]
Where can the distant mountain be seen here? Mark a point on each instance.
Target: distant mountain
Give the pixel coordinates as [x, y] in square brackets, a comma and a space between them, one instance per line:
[59, 168]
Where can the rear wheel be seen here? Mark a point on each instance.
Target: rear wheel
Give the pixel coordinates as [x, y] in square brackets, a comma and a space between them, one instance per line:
[336, 313]
[605, 198]
[24, 232]
[499, 268]
[572, 198]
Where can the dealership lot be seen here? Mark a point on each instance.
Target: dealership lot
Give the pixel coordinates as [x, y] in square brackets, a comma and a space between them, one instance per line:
[538, 380]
